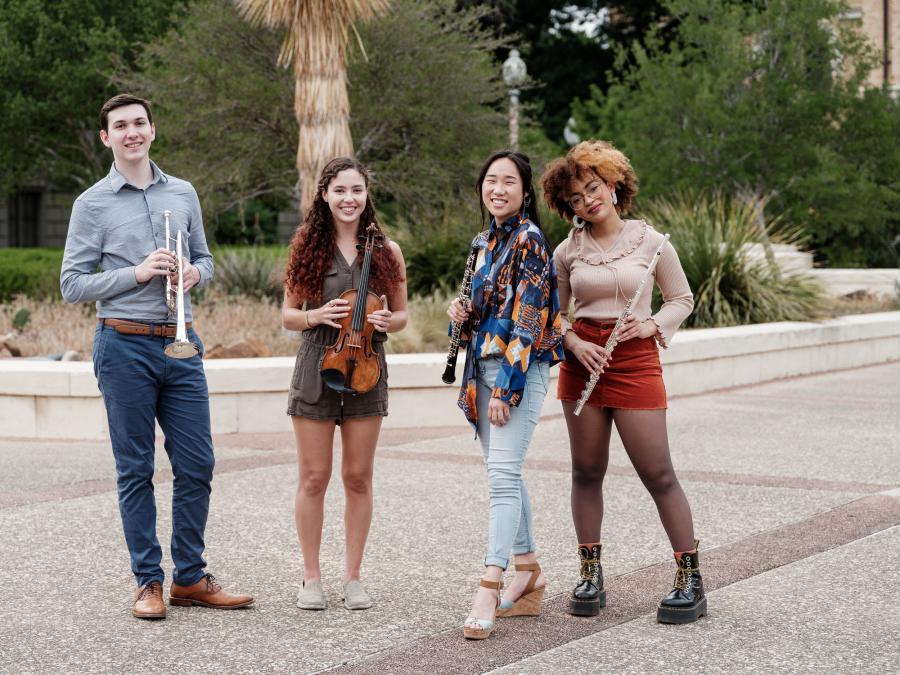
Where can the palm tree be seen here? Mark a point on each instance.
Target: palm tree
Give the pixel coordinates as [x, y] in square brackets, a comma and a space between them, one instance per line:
[317, 35]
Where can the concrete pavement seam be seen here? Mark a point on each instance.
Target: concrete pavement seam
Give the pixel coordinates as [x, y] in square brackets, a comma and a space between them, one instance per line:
[445, 652]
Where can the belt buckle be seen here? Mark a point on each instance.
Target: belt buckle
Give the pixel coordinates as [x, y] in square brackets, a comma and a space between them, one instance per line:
[160, 330]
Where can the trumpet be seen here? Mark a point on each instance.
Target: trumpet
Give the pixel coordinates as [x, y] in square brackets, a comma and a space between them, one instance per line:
[171, 291]
[181, 348]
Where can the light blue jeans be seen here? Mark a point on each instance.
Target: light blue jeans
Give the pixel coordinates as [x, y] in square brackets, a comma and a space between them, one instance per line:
[510, 527]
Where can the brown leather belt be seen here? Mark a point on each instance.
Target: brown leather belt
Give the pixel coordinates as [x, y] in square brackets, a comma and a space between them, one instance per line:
[137, 328]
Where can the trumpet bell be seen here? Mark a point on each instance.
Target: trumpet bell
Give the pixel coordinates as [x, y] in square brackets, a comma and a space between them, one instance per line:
[181, 349]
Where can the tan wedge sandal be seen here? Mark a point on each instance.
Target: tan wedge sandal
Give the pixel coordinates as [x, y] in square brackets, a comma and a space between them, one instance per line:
[480, 629]
[529, 603]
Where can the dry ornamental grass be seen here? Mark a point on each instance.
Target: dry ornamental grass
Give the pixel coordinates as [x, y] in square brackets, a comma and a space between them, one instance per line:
[54, 327]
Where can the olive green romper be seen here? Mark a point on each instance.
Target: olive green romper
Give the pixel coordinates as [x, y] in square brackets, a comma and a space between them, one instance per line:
[309, 397]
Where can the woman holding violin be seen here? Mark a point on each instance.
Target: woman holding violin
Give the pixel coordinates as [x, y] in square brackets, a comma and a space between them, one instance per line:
[515, 310]
[345, 289]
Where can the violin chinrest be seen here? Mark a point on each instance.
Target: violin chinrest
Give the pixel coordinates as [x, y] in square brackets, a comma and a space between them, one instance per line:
[335, 380]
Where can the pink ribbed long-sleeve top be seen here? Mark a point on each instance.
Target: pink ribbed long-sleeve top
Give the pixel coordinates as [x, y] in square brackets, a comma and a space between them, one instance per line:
[602, 280]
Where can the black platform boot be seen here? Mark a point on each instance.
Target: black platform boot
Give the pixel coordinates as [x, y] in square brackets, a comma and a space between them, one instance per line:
[687, 601]
[589, 595]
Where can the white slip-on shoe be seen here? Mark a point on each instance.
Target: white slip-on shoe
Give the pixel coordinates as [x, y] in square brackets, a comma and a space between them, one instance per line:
[311, 596]
[355, 596]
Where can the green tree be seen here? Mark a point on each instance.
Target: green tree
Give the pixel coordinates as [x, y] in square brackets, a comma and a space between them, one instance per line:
[765, 99]
[224, 107]
[428, 102]
[424, 106]
[569, 46]
[56, 62]
[317, 35]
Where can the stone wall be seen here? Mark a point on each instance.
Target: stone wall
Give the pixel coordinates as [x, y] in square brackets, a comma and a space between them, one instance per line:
[288, 222]
[52, 221]
[41, 399]
[56, 208]
[4, 224]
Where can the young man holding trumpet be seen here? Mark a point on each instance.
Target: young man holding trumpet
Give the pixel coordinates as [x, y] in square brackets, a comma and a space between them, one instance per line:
[147, 358]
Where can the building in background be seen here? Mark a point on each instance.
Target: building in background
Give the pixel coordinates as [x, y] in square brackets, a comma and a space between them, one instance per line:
[880, 20]
[35, 217]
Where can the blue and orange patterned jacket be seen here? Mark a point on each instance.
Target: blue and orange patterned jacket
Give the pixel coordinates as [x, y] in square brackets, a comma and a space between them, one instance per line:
[515, 305]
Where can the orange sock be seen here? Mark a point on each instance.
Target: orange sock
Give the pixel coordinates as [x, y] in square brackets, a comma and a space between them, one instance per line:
[678, 554]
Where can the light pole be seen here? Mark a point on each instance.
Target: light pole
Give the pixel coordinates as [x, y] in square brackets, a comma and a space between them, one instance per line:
[514, 76]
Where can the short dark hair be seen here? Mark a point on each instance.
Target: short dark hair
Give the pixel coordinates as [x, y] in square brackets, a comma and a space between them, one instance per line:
[119, 101]
[523, 166]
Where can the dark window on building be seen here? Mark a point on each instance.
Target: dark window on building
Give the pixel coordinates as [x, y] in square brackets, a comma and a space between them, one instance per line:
[24, 219]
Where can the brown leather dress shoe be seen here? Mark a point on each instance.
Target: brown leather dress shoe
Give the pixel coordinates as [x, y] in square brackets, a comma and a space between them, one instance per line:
[148, 602]
[207, 593]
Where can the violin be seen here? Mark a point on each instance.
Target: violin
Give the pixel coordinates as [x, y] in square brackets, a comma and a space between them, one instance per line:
[351, 365]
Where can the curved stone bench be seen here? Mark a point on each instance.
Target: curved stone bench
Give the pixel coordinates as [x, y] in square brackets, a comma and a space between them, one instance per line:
[42, 399]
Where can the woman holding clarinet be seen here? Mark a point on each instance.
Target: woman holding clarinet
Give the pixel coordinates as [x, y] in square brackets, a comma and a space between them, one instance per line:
[512, 316]
[609, 265]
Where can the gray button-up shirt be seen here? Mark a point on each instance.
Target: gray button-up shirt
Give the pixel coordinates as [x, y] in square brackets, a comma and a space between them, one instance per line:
[115, 226]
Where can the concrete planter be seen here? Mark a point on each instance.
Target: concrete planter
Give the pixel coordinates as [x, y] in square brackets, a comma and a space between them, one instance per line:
[40, 399]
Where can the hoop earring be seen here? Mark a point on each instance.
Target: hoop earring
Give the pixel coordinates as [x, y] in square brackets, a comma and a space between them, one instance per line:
[577, 222]
[524, 210]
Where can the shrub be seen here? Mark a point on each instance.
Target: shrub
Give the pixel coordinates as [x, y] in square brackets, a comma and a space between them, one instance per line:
[30, 271]
[717, 238]
[246, 270]
[426, 330]
[435, 249]
[256, 271]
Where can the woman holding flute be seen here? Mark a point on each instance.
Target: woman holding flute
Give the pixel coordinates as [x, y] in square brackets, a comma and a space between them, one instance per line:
[515, 308]
[600, 265]
[325, 263]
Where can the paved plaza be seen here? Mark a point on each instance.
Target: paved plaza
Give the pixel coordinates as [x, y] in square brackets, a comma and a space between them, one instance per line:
[795, 487]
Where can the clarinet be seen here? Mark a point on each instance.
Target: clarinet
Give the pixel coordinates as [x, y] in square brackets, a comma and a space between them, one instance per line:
[613, 339]
[465, 291]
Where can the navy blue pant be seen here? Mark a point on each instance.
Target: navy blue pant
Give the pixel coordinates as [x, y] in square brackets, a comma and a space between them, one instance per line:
[140, 385]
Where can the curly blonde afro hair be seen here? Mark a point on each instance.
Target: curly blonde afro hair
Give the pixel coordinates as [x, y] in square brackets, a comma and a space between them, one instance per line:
[588, 158]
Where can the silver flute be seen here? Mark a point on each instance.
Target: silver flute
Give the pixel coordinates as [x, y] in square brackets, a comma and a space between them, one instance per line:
[614, 336]
[465, 291]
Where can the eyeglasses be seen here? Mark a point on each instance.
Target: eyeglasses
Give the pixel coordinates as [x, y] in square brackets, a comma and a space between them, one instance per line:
[576, 201]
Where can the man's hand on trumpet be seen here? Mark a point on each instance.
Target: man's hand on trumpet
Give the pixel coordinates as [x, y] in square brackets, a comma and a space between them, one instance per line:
[157, 264]
[191, 275]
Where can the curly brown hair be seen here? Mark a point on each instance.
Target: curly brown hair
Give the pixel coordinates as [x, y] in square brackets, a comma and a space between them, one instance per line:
[313, 244]
[598, 158]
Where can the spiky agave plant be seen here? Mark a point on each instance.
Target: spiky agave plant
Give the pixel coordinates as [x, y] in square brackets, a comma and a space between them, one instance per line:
[250, 270]
[719, 239]
[316, 44]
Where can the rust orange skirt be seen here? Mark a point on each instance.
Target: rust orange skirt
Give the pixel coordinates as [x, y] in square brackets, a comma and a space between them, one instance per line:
[632, 380]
